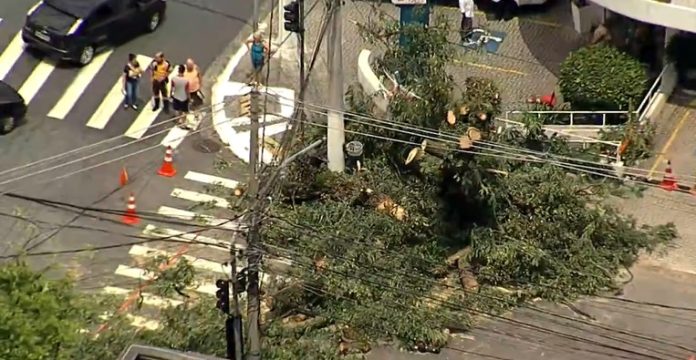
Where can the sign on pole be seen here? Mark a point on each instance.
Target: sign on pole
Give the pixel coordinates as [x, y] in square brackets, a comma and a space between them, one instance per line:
[409, 2]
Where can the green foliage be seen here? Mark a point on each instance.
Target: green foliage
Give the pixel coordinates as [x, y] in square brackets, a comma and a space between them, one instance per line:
[602, 78]
[396, 252]
[555, 238]
[637, 141]
[171, 280]
[39, 318]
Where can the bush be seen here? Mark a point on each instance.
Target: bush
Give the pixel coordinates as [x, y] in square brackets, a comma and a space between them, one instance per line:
[602, 78]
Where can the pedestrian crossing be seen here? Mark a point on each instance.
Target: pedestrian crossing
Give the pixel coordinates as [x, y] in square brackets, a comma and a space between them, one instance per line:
[207, 252]
[92, 94]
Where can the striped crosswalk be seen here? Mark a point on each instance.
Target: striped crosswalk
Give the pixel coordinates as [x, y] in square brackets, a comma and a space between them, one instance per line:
[207, 254]
[78, 91]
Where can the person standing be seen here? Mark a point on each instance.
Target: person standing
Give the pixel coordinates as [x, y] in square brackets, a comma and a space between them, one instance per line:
[159, 71]
[259, 52]
[193, 75]
[466, 7]
[503, 9]
[131, 77]
[181, 94]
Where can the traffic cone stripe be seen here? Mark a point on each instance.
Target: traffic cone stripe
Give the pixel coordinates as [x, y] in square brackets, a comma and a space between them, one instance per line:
[130, 217]
[167, 169]
[669, 183]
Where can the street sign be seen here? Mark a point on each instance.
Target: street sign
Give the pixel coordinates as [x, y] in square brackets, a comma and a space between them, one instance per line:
[409, 2]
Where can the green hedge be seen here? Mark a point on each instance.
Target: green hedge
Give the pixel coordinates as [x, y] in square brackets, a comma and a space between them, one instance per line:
[602, 78]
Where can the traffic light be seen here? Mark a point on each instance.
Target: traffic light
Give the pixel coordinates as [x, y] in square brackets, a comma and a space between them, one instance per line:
[293, 21]
[245, 105]
[223, 295]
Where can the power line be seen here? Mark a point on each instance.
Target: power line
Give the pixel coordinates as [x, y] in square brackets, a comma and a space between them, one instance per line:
[454, 137]
[602, 171]
[102, 142]
[409, 274]
[453, 306]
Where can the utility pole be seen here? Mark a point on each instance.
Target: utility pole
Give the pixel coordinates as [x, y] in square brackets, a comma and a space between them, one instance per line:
[335, 135]
[236, 320]
[301, 95]
[256, 15]
[253, 236]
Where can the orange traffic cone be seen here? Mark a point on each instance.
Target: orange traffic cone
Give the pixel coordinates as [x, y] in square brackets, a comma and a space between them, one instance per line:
[167, 169]
[123, 177]
[131, 217]
[668, 181]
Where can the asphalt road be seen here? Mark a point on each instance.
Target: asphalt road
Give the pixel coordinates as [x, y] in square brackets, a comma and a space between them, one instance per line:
[193, 28]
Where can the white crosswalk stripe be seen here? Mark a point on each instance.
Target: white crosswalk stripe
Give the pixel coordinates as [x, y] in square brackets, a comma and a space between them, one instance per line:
[36, 80]
[112, 101]
[78, 86]
[81, 83]
[11, 54]
[202, 254]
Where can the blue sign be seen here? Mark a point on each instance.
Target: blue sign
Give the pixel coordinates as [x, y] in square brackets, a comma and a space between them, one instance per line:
[413, 15]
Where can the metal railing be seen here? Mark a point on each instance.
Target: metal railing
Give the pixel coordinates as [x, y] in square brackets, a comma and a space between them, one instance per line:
[650, 97]
[598, 119]
[570, 136]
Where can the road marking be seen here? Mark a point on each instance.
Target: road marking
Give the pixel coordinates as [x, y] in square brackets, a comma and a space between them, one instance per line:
[155, 232]
[199, 197]
[78, 86]
[147, 299]
[542, 22]
[211, 180]
[174, 137]
[11, 54]
[146, 117]
[495, 68]
[204, 219]
[113, 99]
[36, 80]
[142, 274]
[136, 321]
[668, 144]
[533, 21]
[198, 263]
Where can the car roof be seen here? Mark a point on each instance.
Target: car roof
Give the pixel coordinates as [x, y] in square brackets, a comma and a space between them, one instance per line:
[8, 95]
[78, 8]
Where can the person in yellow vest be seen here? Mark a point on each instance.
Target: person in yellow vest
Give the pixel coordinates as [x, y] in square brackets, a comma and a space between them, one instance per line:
[159, 72]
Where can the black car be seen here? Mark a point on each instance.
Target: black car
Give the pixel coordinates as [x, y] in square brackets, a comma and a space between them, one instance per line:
[12, 108]
[75, 30]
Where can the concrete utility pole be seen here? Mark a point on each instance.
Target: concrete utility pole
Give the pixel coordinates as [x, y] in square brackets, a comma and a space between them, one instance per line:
[335, 135]
[256, 15]
[253, 236]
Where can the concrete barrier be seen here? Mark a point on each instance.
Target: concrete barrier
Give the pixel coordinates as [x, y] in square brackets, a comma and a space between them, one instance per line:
[370, 82]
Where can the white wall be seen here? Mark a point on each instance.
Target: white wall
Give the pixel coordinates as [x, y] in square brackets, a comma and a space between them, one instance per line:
[682, 17]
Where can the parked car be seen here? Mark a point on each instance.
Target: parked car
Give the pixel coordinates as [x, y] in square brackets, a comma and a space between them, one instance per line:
[12, 108]
[75, 30]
